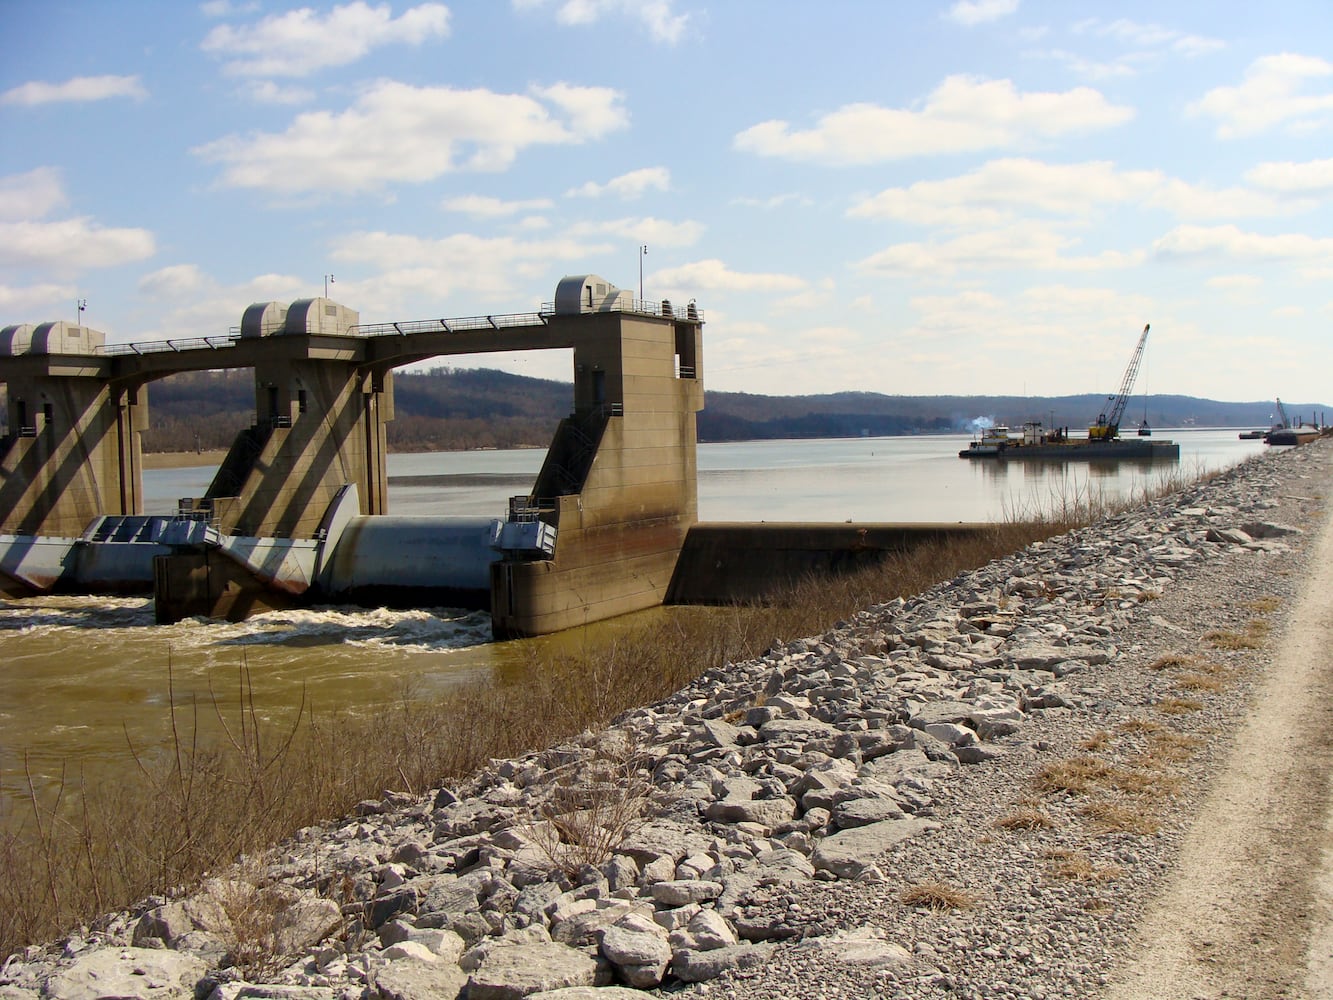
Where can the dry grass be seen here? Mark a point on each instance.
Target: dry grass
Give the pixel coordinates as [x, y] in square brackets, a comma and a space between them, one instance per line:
[1251, 638]
[1194, 681]
[936, 895]
[1097, 741]
[1172, 661]
[1178, 706]
[1141, 726]
[1075, 775]
[1026, 816]
[1264, 605]
[1078, 866]
[1119, 817]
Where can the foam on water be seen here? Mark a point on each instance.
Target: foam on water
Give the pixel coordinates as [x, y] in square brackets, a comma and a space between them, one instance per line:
[423, 629]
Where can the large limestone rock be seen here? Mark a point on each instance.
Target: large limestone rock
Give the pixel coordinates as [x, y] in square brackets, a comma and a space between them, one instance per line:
[513, 972]
[407, 979]
[848, 853]
[638, 947]
[128, 974]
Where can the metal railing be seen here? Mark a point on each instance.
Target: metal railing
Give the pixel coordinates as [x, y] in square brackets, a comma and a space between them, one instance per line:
[494, 321]
[165, 346]
[497, 321]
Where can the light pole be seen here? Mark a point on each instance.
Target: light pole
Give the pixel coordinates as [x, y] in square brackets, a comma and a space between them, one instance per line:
[328, 280]
[643, 252]
[82, 304]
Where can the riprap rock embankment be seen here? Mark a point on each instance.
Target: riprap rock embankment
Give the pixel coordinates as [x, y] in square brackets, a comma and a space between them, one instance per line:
[764, 829]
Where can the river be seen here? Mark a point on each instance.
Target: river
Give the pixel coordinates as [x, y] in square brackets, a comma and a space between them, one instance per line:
[85, 677]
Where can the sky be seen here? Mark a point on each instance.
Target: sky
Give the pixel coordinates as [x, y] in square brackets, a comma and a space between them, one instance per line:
[983, 197]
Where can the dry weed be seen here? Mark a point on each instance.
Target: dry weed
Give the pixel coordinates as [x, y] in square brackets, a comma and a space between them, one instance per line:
[1076, 775]
[1097, 741]
[593, 808]
[937, 895]
[1078, 866]
[1169, 661]
[1265, 605]
[1178, 706]
[1118, 817]
[1195, 681]
[1221, 639]
[1141, 726]
[1025, 816]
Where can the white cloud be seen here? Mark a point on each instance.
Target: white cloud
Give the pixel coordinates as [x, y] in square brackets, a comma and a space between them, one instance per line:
[654, 232]
[30, 195]
[485, 207]
[226, 8]
[1231, 242]
[300, 42]
[1312, 177]
[657, 16]
[80, 88]
[172, 282]
[268, 92]
[1013, 248]
[713, 275]
[1235, 282]
[776, 201]
[71, 245]
[1289, 312]
[998, 191]
[498, 267]
[630, 185]
[973, 12]
[1271, 94]
[962, 114]
[396, 133]
[31, 298]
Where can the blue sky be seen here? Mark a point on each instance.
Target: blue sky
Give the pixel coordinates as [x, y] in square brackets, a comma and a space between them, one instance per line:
[984, 197]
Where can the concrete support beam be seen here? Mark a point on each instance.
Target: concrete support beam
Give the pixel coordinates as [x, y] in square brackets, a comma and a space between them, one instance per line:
[74, 452]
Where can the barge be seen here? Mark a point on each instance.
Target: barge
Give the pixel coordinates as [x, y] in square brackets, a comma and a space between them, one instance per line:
[1036, 445]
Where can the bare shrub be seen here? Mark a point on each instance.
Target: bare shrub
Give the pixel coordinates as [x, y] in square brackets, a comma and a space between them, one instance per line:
[593, 808]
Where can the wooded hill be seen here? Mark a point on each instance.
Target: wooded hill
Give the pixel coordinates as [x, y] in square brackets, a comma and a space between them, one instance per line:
[449, 409]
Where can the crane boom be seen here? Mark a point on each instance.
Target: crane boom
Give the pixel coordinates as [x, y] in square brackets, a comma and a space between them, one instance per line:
[1107, 427]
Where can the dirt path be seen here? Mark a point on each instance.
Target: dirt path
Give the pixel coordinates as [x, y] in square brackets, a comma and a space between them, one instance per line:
[1249, 910]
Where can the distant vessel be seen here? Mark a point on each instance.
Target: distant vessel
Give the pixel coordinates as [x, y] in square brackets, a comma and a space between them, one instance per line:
[1251, 435]
[1284, 432]
[1036, 445]
[1103, 442]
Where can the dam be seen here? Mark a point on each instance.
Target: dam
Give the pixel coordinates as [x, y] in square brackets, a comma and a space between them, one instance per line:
[297, 512]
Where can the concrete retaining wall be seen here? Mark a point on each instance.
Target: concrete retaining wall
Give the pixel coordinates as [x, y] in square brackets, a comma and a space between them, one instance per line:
[722, 562]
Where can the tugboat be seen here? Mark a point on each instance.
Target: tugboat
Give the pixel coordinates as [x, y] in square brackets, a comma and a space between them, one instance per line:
[992, 443]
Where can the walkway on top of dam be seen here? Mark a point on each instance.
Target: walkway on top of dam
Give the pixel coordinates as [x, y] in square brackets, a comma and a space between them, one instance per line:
[388, 344]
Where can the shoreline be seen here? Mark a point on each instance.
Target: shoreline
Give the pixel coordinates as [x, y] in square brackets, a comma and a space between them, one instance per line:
[796, 799]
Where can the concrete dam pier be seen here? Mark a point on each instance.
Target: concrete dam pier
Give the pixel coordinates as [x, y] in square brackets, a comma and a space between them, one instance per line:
[298, 510]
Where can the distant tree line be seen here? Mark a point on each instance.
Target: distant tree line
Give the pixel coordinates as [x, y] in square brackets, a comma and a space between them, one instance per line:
[456, 409]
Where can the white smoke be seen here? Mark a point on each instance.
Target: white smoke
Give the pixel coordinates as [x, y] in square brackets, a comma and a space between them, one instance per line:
[980, 424]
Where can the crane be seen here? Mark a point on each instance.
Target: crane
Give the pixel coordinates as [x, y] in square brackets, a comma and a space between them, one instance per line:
[1107, 427]
[1282, 413]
